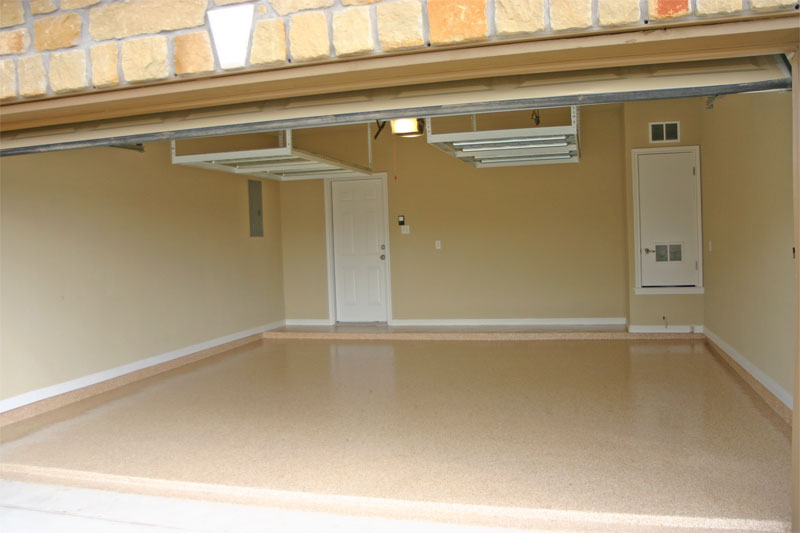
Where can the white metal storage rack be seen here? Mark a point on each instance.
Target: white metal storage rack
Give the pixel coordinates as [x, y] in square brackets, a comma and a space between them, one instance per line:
[512, 147]
[284, 163]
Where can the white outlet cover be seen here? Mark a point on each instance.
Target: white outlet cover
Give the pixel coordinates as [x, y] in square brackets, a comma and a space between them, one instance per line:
[437, 244]
[230, 28]
[405, 230]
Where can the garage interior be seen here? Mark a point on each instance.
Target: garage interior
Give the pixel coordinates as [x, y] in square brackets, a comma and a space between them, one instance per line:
[536, 376]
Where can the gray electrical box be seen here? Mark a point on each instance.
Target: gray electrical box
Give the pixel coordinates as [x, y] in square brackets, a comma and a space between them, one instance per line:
[256, 212]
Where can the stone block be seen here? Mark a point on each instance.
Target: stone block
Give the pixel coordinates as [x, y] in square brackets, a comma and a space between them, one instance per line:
[456, 21]
[771, 4]
[8, 79]
[77, 4]
[718, 7]
[518, 16]
[400, 25]
[570, 14]
[193, 53]
[352, 31]
[39, 7]
[58, 31]
[11, 14]
[285, 7]
[618, 12]
[269, 42]
[137, 17]
[105, 58]
[308, 36]
[14, 41]
[145, 59]
[666, 9]
[68, 71]
[32, 77]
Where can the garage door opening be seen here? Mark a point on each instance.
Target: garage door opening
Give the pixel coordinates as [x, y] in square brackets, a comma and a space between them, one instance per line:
[603, 406]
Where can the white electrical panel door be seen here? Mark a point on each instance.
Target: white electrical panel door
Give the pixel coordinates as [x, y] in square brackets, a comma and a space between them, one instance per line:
[668, 202]
[359, 250]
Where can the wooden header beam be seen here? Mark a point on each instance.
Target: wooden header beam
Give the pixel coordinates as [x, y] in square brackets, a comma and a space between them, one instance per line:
[663, 45]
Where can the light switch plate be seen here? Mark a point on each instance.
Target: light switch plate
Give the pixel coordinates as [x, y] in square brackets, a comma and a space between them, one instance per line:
[437, 244]
[405, 230]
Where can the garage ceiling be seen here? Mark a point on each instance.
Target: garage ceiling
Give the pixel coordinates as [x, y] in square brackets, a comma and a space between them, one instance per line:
[599, 86]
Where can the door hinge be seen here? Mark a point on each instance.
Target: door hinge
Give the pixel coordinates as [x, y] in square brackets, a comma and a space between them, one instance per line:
[695, 265]
[694, 171]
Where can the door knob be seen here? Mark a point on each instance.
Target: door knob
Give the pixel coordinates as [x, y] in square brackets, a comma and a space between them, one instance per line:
[383, 257]
[648, 250]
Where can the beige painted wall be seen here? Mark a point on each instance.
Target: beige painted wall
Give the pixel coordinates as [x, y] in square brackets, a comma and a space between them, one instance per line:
[649, 309]
[528, 242]
[119, 256]
[305, 272]
[110, 256]
[747, 190]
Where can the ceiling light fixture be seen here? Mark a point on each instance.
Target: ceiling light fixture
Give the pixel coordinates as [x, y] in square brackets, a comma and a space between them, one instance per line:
[408, 127]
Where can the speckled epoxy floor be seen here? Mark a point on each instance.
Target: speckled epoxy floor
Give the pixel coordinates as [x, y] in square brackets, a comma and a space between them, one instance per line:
[647, 428]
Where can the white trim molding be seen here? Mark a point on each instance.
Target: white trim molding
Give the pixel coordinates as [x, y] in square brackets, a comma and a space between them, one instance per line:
[602, 321]
[308, 322]
[657, 328]
[669, 290]
[92, 379]
[770, 384]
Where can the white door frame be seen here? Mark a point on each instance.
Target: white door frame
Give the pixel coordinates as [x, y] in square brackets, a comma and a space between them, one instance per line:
[638, 289]
[329, 243]
[796, 193]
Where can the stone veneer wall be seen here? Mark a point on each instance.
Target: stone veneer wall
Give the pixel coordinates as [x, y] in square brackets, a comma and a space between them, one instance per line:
[54, 47]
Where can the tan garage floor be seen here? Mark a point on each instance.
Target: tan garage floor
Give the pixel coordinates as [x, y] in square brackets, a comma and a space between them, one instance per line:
[613, 431]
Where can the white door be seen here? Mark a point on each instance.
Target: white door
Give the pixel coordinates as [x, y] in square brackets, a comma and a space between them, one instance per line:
[668, 184]
[359, 250]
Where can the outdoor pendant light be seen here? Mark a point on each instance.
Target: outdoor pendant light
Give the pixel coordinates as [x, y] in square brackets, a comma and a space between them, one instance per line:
[408, 127]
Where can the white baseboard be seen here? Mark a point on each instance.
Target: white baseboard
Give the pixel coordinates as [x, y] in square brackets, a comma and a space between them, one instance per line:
[669, 290]
[677, 328]
[603, 321]
[771, 385]
[92, 379]
[308, 322]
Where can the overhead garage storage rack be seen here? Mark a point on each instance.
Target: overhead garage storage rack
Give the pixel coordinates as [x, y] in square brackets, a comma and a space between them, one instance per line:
[512, 147]
[283, 163]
